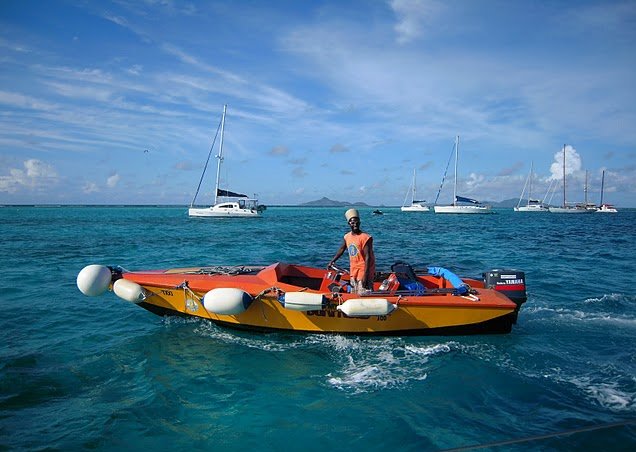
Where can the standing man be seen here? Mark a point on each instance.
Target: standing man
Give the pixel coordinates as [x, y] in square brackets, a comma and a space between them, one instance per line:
[361, 257]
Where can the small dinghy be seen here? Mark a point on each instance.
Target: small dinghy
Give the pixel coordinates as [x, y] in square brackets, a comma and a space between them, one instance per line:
[288, 297]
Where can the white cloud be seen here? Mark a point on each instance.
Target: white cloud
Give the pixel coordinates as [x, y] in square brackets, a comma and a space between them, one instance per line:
[22, 101]
[112, 180]
[572, 163]
[35, 175]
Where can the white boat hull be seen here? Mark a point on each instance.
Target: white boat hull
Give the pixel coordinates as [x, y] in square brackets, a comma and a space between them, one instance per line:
[607, 209]
[569, 210]
[415, 208]
[221, 211]
[463, 209]
[531, 209]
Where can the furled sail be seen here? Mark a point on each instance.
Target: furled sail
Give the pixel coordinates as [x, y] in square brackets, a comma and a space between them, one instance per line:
[462, 199]
[229, 194]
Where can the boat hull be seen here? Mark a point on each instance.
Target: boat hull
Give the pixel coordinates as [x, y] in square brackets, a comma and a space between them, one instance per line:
[414, 208]
[606, 208]
[531, 208]
[223, 212]
[463, 209]
[334, 322]
[437, 309]
[569, 210]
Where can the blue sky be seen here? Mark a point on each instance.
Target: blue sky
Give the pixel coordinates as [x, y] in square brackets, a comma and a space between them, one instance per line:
[341, 99]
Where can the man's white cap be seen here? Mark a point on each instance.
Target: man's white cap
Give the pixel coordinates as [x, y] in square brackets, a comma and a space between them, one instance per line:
[349, 214]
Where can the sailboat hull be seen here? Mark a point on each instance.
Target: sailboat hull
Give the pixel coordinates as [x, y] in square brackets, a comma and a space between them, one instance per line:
[531, 208]
[463, 209]
[223, 211]
[607, 208]
[414, 208]
[570, 210]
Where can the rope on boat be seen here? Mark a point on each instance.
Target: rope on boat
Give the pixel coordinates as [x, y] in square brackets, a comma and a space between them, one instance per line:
[223, 270]
[450, 158]
[471, 297]
[206, 164]
[264, 292]
[188, 294]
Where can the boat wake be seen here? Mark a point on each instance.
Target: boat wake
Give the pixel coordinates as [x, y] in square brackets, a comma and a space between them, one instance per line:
[541, 314]
[357, 365]
[353, 364]
[372, 365]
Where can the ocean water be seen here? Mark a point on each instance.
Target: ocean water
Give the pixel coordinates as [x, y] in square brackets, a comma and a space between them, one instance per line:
[99, 373]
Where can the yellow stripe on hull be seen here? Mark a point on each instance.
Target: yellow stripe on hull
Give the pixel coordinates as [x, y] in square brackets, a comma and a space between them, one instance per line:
[267, 313]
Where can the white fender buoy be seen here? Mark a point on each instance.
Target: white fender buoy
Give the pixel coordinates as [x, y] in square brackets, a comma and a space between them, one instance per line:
[129, 290]
[302, 301]
[93, 280]
[362, 307]
[227, 301]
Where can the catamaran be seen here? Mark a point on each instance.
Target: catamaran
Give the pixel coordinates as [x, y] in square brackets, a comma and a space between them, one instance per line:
[604, 207]
[532, 205]
[226, 203]
[415, 206]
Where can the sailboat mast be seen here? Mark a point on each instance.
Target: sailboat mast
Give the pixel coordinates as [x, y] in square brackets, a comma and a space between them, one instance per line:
[564, 204]
[219, 157]
[585, 190]
[414, 188]
[456, 158]
[530, 182]
[602, 186]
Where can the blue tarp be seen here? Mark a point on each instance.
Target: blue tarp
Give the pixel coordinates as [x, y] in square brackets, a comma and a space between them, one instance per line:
[451, 277]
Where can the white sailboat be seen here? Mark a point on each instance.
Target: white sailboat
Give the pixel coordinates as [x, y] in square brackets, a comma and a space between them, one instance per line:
[415, 206]
[460, 204]
[533, 205]
[565, 208]
[604, 207]
[226, 203]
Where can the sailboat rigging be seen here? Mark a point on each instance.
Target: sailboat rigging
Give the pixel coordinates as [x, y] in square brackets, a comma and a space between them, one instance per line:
[565, 208]
[460, 204]
[532, 205]
[416, 205]
[604, 207]
[235, 204]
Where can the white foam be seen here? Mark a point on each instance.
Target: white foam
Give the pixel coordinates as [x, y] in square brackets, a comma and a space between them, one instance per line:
[379, 364]
[584, 316]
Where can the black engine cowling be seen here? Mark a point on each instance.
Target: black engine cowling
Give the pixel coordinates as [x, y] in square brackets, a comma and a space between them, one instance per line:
[511, 283]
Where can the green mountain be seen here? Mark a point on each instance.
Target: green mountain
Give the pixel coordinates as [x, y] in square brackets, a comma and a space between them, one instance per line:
[326, 202]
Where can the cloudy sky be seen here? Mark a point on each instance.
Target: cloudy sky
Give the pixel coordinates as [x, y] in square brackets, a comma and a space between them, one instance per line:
[118, 102]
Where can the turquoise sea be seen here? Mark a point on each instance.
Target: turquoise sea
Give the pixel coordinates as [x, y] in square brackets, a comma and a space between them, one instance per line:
[81, 373]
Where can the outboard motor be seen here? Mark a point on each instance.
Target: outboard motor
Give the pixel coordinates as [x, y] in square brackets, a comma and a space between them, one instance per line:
[511, 283]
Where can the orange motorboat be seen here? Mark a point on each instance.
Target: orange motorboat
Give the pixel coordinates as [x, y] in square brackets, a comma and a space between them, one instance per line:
[288, 297]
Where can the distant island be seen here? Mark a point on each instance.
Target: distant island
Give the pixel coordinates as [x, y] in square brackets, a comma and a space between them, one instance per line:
[326, 202]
